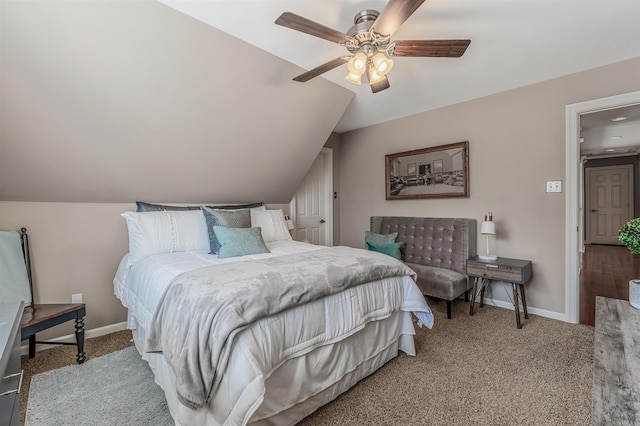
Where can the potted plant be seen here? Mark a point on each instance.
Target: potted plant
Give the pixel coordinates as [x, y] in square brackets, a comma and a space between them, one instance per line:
[629, 235]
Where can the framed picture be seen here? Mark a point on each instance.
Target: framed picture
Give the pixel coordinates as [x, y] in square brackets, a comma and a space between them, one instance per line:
[435, 172]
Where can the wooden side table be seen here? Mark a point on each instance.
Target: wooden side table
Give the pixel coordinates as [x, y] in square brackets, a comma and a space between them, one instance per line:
[40, 317]
[515, 271]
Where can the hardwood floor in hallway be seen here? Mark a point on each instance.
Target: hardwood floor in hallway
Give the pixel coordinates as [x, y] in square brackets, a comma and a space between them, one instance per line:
[606, 271]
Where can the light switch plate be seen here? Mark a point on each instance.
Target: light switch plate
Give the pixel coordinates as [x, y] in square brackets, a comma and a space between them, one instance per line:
[554, 186]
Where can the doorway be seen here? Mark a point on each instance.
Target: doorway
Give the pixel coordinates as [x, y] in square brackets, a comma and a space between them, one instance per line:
[574, 201]
[312, 204]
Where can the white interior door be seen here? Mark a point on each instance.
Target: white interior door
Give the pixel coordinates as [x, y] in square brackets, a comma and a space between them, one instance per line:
[609, 202]
[312, 204]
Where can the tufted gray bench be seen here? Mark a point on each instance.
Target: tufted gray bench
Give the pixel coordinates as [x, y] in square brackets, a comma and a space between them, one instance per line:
[437, 249]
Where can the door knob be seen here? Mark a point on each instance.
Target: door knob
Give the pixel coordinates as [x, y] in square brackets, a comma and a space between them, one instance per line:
[593, 211]
[322, 221]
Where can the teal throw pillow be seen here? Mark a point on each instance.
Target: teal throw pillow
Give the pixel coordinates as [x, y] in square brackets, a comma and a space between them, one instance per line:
[391, 249]
[379, 239]
[239, 241]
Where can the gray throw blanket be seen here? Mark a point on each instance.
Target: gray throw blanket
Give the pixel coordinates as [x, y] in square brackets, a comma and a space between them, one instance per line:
[202, 310]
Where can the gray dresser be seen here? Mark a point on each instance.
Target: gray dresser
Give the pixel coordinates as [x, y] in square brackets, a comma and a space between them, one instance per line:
[616, 369]
[10, 370]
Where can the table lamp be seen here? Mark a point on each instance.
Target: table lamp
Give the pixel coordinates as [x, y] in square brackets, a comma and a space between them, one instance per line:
[488, 229]
[289, 223]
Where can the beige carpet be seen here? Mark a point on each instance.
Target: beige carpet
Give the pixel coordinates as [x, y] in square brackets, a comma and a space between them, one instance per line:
[477, 370]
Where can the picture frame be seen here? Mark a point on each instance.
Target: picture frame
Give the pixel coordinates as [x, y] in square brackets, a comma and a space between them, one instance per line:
[435, 172]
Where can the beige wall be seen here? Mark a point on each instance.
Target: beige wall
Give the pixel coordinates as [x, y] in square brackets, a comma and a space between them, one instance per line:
[516, 143]
[76, 248]
[112, 101]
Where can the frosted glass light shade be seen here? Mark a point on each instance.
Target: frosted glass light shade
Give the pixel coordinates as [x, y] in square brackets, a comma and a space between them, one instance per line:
[353, 78]
[358, 64]
[382, 64]
[374, 77]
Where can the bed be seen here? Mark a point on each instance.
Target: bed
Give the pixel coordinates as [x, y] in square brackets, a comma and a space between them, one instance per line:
[277, 368]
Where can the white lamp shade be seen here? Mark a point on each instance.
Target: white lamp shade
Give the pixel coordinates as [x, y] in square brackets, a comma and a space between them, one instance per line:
[488, 228]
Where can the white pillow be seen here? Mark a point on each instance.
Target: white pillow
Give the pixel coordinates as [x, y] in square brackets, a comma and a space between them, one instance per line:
[165, 232]
[274, 227]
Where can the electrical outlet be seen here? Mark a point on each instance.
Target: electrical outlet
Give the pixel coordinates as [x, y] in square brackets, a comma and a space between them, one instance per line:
[76, 298]
[554, 186]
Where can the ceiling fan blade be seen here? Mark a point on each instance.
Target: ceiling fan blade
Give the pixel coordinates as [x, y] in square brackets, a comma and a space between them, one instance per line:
[422, 48]
[328, 66]
[393, 15]
[299, 23]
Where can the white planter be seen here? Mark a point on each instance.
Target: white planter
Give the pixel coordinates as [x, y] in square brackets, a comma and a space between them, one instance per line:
[634, 293]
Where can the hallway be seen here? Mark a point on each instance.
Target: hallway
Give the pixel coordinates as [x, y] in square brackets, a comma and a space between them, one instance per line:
[606, 271]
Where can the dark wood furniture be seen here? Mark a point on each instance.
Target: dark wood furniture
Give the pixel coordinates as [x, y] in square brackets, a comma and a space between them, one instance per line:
[10, 368]
[616, 367]
[515, 271]
[41, 317]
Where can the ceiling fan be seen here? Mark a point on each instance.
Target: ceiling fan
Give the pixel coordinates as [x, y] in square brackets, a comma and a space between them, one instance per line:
[369, 42]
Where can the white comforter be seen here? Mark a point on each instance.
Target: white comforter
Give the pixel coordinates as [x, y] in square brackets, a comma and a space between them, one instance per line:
[262, 348]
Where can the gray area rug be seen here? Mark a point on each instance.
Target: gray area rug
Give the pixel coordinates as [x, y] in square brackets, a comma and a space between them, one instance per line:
[114, 389]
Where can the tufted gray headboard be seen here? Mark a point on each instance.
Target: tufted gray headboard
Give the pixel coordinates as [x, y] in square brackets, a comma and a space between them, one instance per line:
[432, 241]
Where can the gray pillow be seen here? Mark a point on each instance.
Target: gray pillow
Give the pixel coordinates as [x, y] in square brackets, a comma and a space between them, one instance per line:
[239, 241]
[379, 239]
[148, 207]
[227, 218]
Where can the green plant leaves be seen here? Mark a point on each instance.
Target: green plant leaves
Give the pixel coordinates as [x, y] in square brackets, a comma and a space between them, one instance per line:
[629, 235]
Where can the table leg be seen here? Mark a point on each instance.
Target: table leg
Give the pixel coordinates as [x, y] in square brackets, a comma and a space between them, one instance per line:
[473, 295]
[32, 346]
[516, 304]
[524, 301]
[81, 358]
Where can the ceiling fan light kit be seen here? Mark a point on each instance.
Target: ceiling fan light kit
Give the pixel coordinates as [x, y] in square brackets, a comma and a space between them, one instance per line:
[357, 66]
[370, 45]
[382, 64]
[354, 78]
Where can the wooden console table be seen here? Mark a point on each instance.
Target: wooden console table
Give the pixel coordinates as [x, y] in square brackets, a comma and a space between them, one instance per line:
[616, 367]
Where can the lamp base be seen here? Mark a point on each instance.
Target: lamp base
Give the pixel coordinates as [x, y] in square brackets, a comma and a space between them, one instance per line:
[488, 257]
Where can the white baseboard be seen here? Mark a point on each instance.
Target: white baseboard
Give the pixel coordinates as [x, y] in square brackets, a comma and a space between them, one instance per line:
[95, 332]
[536, 311]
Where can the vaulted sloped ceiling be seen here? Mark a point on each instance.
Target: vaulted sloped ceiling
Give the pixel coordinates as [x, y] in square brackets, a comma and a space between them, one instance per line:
[104, 101]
